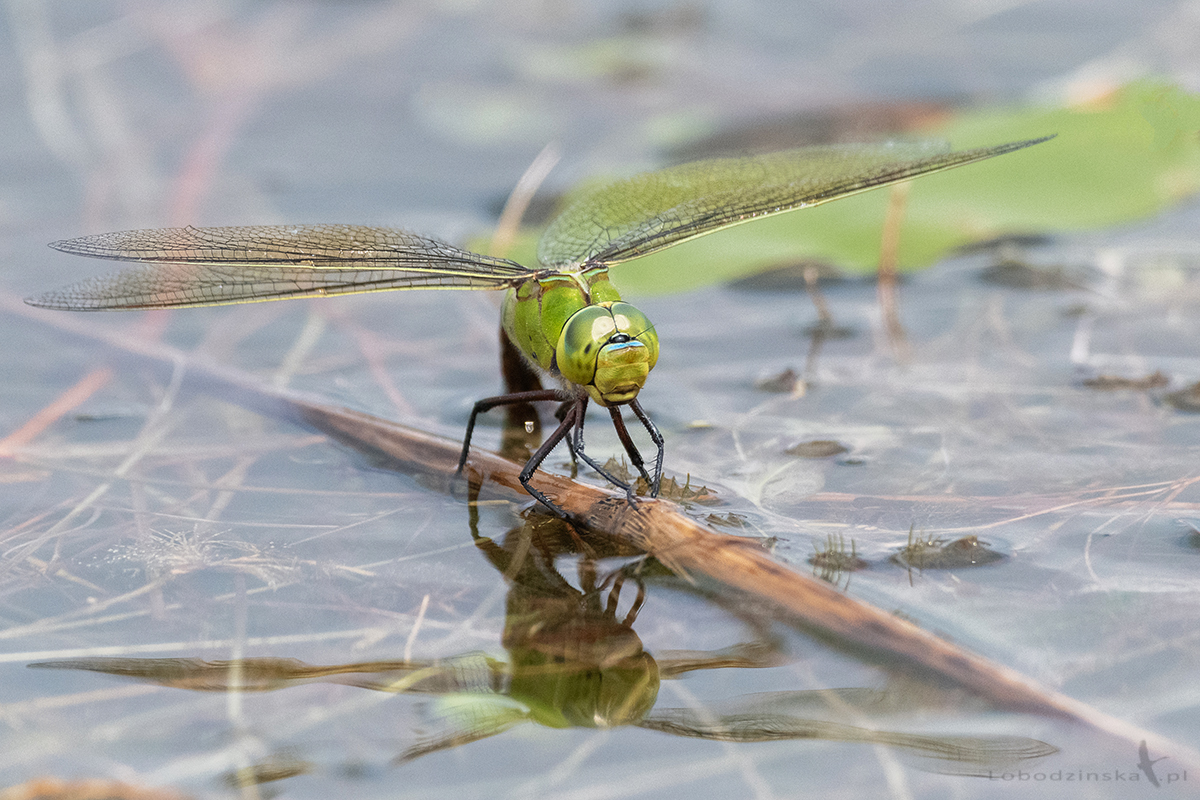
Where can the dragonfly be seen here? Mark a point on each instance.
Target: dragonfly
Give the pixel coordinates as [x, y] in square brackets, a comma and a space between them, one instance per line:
[564, 317]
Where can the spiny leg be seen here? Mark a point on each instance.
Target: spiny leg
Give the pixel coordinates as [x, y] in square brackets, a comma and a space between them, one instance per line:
[577, 438]
[635, 457]
[539, 456]
[488, 403]
[630, 495]
[576, 445]
[560, 412]
[655, 437]
[577, 449]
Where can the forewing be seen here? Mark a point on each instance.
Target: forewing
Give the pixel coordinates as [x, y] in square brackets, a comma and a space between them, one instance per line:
[215, 266]
[648, 212]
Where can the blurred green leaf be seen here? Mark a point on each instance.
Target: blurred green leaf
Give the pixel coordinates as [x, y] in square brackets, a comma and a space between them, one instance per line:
[1125, 156]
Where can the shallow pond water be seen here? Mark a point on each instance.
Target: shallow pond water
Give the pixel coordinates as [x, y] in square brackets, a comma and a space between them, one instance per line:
[153, 522]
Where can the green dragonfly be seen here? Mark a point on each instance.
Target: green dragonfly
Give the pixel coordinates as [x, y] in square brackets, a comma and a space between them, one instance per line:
[564, 317]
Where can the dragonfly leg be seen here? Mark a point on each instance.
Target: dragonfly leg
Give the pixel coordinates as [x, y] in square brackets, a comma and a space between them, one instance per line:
[539, 455]
[488, 403]
[574, 440]
[634, 456]
[570, 428]
[577, 448]
[657, 438]
[608, 476]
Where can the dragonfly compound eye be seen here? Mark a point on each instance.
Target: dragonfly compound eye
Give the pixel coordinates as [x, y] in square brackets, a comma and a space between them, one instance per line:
[636, 326]
[608, 349]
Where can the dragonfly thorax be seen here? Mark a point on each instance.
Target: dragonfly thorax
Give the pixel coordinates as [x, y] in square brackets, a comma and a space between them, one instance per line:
[575, 327]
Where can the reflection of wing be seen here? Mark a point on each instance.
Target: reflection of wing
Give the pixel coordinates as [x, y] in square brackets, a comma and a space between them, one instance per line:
[468, 673]
[214, 266]
[648, 212]
[974, 752]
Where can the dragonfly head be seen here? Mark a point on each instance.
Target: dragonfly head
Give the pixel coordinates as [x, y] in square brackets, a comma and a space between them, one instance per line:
[608, 349]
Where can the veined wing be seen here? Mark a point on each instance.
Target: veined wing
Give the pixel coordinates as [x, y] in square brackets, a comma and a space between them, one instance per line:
[215, 266]
[648, 212]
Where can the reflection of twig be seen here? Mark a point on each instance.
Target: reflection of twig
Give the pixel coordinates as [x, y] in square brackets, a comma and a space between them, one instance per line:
[889, 256]
[64, 403]
[657, 527]
[812, 282]
[824, 329]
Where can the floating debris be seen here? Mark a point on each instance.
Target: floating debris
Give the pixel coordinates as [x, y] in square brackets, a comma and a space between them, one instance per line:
[936, 553]
[1023, 276]
[834, 561]
[1015, 275]
[730, 520]
[1193, 536]
[783, 383]
[791, 277]
[1014, 270]
[275, 768]
[824, 330]
[1185, 399]
[669, 489]
[817, 448]
[1155, 380]
[1011, 245]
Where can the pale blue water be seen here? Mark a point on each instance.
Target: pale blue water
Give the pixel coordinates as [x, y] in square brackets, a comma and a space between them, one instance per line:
[209, 531]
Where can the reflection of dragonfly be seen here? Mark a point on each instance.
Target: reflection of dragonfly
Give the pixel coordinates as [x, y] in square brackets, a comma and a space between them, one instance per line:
[564, 317]
[574, 661]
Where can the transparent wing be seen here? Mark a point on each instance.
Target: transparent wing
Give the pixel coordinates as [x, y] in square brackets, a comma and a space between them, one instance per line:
[215, 266]
[648, 212]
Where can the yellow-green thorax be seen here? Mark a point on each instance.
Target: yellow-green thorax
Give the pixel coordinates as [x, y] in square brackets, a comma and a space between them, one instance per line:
[574, 326]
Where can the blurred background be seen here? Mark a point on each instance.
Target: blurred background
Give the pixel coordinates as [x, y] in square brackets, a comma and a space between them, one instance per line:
[153, 114]
[136, 521]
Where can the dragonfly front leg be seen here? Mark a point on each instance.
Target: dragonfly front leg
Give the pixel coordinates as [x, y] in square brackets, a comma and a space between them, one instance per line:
[576, 444]
[539, 455]
[570, 428]
[577, 438]
[572, 442]
[488, 403]
[635, 457]
[655, 437]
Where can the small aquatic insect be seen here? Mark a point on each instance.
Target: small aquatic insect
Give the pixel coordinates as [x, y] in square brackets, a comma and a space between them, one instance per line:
[564, 317]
